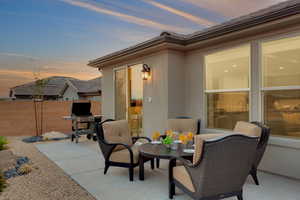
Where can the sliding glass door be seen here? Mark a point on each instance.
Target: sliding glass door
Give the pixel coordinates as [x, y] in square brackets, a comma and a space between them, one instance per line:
[129, 97]
[121, 94]
[135, 105]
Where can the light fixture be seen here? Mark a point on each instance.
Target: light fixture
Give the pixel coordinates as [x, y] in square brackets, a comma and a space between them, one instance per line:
[226, 70]
[281, 68]
[146, 72]
[234, 65]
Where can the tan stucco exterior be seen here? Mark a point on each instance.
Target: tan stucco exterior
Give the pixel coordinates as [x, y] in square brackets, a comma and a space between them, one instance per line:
[176, 87]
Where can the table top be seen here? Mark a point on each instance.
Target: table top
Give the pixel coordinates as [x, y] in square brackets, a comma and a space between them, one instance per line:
[161, 151]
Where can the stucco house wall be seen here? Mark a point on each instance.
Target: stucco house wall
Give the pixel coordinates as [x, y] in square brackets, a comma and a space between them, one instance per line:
[283, 154]
[155, 102]
[176, 87]
[176, 84]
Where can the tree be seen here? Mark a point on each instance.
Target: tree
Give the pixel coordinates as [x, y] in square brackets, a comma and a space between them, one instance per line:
[38, 100]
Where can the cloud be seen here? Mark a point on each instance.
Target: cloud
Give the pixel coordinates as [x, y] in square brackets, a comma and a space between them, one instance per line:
[233, 8]
[17, 55]
[22, 65]
[125, 17]
[193, 18]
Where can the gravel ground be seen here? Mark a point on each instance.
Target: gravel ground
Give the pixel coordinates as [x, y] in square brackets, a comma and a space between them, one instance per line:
[46, 181]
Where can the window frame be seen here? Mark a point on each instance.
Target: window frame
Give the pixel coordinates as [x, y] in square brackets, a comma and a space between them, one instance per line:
[262, 89]
[205, 91]
[125, 67]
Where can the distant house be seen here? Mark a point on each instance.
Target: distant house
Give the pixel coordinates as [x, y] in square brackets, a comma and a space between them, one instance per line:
[59, 88]
[78, 89]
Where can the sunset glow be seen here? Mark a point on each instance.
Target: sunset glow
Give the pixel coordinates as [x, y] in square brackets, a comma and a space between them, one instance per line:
[58, 37]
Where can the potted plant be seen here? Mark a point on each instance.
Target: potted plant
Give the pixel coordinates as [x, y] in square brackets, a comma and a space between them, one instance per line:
[168, 141]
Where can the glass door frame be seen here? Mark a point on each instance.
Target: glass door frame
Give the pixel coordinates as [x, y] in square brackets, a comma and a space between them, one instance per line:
[127, 89]
[126, 68]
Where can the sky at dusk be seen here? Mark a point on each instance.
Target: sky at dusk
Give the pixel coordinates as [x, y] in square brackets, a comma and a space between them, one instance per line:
[58, 37]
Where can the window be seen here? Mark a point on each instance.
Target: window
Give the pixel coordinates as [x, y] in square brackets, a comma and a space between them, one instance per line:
[282, 112]
[281, 86]
[225, 109]
[227, 87]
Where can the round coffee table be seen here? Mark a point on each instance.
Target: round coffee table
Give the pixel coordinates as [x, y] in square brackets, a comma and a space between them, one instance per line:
[158, 151]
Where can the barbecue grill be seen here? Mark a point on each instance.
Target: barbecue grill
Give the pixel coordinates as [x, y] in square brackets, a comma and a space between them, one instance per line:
[83, 121]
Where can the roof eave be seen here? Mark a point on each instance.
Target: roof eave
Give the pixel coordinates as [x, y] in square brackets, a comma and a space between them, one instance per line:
[165, 38]
[245, 24]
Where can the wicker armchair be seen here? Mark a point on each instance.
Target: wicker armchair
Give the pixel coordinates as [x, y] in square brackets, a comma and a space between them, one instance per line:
[219, 170]
[251, 129]
[260, 150]
[117, 145]
[184, 124]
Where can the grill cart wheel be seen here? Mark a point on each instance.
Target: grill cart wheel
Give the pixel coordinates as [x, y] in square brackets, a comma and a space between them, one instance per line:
[95, 138]
[89, 136]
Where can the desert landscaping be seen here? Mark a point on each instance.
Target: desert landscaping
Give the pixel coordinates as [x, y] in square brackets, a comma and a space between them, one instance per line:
[42, 180]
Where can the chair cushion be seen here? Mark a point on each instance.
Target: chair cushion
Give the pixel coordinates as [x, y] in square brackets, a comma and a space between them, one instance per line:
[208, 136]
[123, 156]
[247, 129]
[183, 125]
[182, 176]
[199, 141]
[117, 132]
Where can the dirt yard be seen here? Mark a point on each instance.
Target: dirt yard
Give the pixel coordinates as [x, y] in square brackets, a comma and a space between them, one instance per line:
[17, 118]
[46, 181]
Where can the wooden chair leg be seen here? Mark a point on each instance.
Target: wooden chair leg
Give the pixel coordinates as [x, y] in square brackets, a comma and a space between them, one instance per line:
[131, 173]
[254, 175]
[152, 163]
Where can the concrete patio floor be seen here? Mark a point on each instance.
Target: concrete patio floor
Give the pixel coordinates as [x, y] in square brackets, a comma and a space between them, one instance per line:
[84, 163]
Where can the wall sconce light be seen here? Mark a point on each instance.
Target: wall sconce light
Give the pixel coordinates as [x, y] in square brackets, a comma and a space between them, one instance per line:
[146, 72]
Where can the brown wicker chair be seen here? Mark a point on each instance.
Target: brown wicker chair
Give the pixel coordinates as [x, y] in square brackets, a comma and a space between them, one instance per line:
[261, 148]
[184, 124]
[117, 145]
[250, 129]
[219, 170]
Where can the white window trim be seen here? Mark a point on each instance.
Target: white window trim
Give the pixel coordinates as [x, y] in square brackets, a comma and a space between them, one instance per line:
[228, 90]
[281, 88]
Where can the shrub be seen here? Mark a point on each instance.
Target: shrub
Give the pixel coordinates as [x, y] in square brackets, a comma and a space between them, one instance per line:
[3, 143]
[24, 169]
[2, 182]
